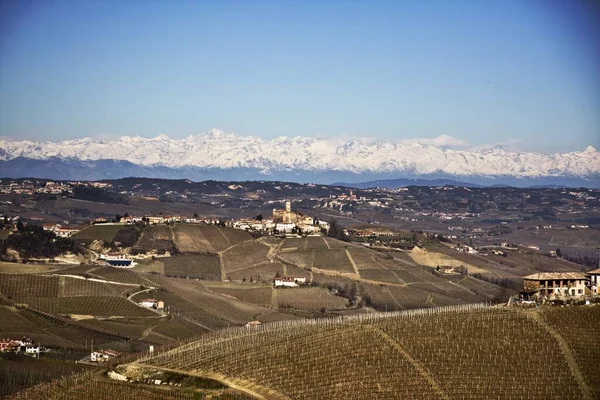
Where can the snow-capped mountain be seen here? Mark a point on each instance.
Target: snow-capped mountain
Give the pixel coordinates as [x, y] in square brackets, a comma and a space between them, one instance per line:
[220, 151]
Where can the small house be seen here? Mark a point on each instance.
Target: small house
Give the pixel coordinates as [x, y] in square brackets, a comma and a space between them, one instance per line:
[152, 303]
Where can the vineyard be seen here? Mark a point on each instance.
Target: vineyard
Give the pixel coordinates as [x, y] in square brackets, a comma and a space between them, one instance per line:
[105, 233]
[25, 285]
[199, 266]
[583, 341]
[103, 306]
[326, 259]
[462, 352]
[307, 243]
[255, 295]
[91, 387]
[309, 298]
[333, 260]
[244, 255]
[199, 238]
[158, 238]
[17, 268]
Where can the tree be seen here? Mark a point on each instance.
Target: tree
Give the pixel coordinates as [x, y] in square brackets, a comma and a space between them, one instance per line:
[195, 215]
[20, 226]
[558, 253]
[259, 217]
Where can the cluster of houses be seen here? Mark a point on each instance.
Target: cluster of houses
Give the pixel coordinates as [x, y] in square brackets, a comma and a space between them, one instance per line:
[60, 230]
[23, 346]
[30, 187]
[561, 285]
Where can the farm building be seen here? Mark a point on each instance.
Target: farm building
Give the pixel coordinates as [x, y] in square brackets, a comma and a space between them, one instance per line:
[33, 349]
[118, 260]
[103, 355]
[288, 281]
[152, 303]
[253, 324]
[556, 284]
[594, 276]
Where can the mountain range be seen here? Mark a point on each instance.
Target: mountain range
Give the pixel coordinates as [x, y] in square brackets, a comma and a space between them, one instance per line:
[225, 156]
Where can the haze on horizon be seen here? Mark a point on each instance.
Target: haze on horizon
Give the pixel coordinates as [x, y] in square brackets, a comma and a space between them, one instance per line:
[522, 74]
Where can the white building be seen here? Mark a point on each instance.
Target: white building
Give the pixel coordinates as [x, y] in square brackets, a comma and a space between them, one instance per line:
[103, 355]
[152, 303]
[594, 281]
[32, 349]
[288, 281]
[284, 228]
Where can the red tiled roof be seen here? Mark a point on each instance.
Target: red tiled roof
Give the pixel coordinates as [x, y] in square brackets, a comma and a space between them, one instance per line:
[544, 276]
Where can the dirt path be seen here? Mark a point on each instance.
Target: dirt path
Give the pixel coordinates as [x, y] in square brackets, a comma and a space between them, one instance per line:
[420, 367]
[354, 267]
[250, 388]
[223, 274]
[588, 394]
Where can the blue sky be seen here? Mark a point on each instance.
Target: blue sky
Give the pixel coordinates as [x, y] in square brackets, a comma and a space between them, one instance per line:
[525, 74]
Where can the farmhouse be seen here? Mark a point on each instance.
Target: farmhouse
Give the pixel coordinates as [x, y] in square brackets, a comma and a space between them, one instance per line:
[253, 324]
[103, 355]
[288, 281]
[594, 276]
[556, 284]
[152, 303]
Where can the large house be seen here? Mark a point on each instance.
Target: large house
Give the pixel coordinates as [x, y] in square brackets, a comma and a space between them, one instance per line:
[556, 285]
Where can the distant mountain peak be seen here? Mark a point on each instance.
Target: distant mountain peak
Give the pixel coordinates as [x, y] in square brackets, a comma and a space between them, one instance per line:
[218, 150]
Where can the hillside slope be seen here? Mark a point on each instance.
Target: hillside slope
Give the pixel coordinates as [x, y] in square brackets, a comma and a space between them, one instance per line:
[466, 352]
